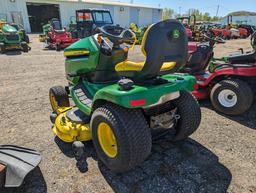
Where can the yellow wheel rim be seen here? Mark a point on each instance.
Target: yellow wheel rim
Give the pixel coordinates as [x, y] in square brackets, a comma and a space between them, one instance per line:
[107, 140]
[53, 102]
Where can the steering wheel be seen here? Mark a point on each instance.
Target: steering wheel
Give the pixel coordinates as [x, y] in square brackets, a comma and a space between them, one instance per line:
[116, 34]
[253, 40]
[218, 40]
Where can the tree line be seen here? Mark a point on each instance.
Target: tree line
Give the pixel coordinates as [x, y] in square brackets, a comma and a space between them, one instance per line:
[200, 16]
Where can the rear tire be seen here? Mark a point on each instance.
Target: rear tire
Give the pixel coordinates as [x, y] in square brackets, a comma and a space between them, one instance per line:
[131, 134]
[231, 97]
[190, 115]
[2, 48]
[58, 98]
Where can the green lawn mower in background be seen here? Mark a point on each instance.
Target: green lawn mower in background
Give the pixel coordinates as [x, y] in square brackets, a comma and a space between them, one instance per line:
[139, 32]
[118, 104]
[46, 28]
[21, 32]
[11, 38]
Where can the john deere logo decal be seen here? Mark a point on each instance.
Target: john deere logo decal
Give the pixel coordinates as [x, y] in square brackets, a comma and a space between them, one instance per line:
[176, 34]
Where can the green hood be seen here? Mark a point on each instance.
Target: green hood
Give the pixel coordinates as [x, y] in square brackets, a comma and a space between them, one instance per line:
[9, 29]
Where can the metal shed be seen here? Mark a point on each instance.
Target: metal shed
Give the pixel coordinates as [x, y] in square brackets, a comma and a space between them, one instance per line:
[32, 13]
[250, 20]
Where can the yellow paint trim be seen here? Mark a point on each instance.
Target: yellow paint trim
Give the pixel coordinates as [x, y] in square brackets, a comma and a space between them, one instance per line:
[12, 47]
[107, 140]
[167, 66]
[76, 53]
[144, 41]
[129, 66]
[137, 66]
[134, 42]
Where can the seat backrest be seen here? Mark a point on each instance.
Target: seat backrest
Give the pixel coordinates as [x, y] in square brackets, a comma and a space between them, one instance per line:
[163, 42]
[56, 25]
[243, 58]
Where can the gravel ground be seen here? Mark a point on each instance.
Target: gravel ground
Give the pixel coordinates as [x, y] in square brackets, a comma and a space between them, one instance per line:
[218, 158]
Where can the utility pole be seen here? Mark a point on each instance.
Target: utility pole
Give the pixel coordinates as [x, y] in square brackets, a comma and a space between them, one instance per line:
[217, 12]
[180, 10]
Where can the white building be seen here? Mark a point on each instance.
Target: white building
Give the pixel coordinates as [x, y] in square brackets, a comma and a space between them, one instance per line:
[33, 13]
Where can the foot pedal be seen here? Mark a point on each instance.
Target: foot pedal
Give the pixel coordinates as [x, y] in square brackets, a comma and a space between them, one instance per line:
[77, 116]
[82, 95]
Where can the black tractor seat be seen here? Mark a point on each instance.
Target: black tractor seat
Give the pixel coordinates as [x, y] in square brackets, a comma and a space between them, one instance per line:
[165, 47]
[243, 58]
[198, 61]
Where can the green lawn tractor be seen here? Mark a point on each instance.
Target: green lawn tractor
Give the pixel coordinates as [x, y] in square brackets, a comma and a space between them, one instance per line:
[118, 103]
[139, 32]
[10, 38]
[21, 31]
[46, 29]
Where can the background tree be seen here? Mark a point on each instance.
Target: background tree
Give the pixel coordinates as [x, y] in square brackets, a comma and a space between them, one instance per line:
[206, 17]
[167, 13]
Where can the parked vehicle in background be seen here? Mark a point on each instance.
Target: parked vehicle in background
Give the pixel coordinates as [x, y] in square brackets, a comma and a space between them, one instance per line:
[57, 37]
[21, 31]
[139, 32]
[88, 20]
[186, 21]
[11, 37]
[229, 82]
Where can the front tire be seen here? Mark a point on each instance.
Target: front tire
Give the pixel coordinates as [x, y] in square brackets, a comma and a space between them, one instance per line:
[58, 98]
[231, 97]
[190, 115]
[121, 137]
[24, 46]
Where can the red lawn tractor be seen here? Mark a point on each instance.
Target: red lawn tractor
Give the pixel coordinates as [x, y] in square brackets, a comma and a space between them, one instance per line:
[57, 37]
[243, 32]
[186, 21]
[236, 31]
[221, 32]
[189, 32]
[229, 82]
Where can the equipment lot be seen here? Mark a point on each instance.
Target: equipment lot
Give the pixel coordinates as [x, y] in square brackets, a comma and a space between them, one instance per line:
[220, 156]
